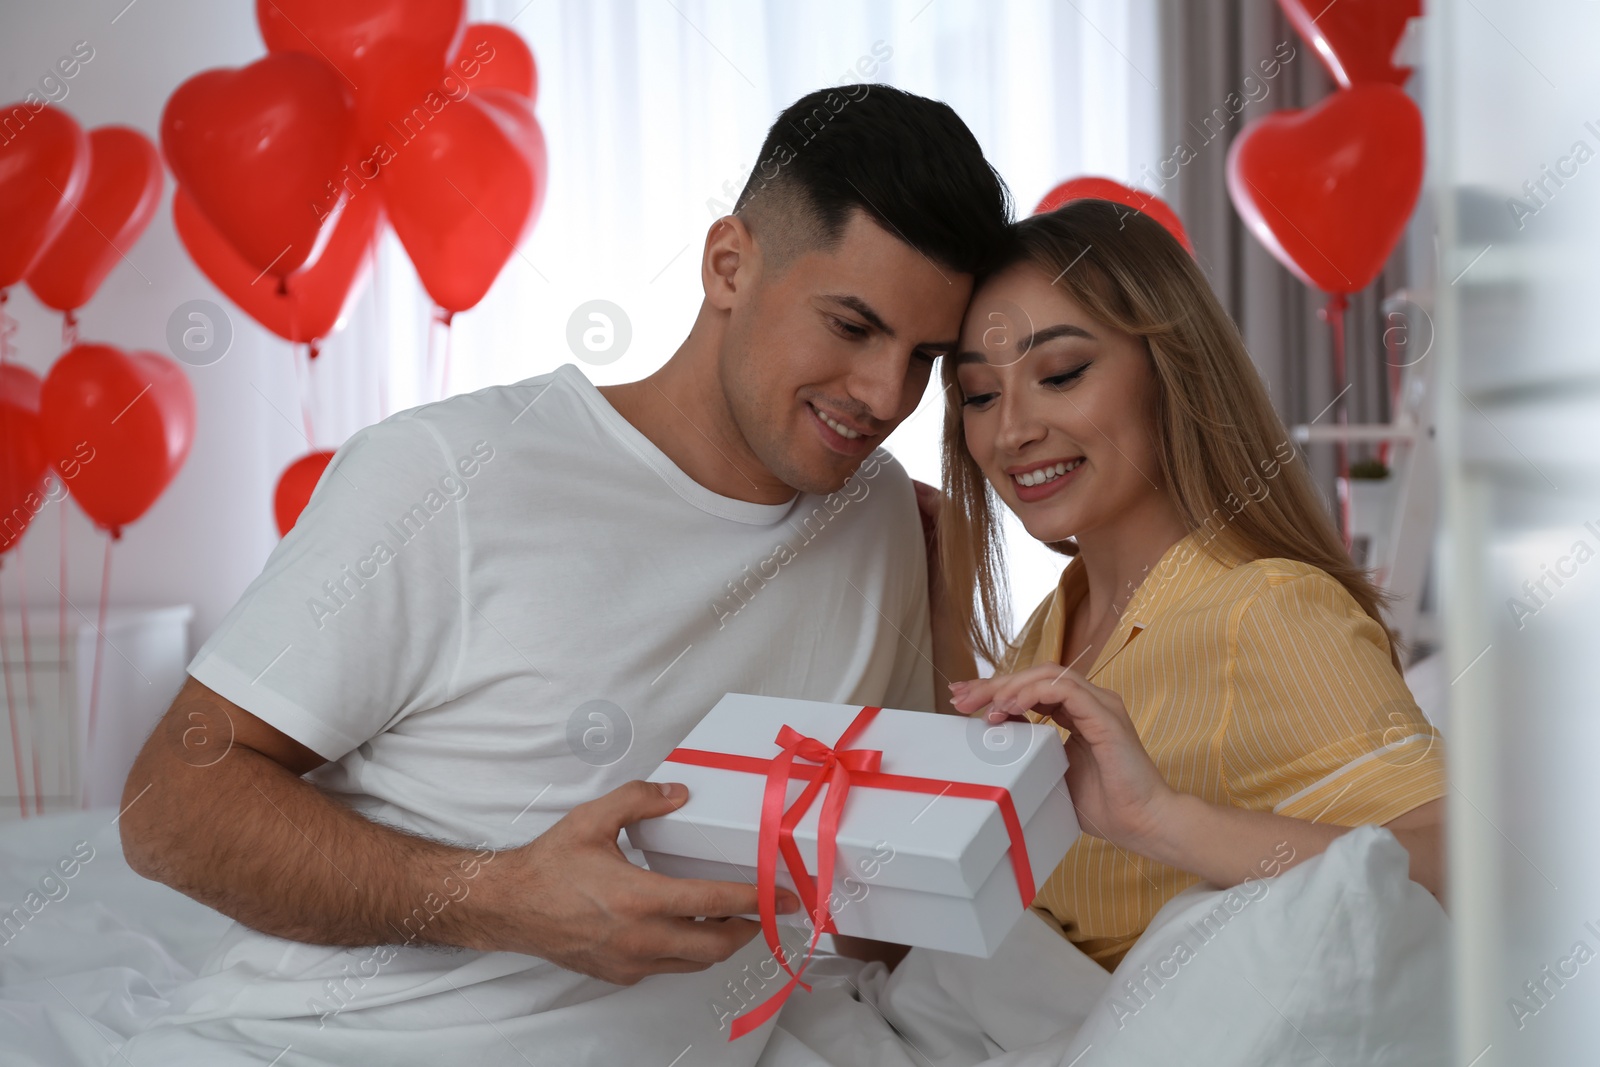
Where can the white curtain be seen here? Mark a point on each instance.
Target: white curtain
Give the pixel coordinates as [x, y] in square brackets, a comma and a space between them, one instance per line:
[654, 110]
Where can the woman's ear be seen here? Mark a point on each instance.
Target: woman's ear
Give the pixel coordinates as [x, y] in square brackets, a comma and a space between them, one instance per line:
[727, 262]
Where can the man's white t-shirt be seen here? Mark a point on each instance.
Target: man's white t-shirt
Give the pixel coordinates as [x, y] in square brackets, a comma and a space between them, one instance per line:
[493, 609]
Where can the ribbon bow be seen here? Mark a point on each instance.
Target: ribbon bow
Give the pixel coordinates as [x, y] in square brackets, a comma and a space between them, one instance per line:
[836, 762]
[838, 767]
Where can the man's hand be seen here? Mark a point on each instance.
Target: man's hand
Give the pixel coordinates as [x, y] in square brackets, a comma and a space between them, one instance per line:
[216, 807]
[583, 906]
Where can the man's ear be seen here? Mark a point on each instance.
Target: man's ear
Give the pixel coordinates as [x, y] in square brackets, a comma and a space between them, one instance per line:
[729, 262]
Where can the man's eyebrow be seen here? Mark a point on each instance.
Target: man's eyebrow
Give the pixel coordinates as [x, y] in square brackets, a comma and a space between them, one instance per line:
[862, 308]
[1038, 337]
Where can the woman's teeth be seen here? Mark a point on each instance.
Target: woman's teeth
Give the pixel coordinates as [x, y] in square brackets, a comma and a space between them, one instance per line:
[837, 427]
[1046, 474]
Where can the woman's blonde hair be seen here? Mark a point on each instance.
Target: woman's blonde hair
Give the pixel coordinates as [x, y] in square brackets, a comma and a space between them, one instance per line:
[1226, 459]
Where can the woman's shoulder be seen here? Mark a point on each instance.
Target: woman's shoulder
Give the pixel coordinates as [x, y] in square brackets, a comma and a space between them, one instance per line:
[1297, 580]
[1290, 600]
[1230, 579]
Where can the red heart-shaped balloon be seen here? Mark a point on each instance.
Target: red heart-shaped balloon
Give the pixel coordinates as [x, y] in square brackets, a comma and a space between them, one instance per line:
[1328, 189]
[125, 179]
[117, 427]
[294, 488]
[493, 56]
[464, 193]
[313, 300]
[44, 166]
[1107, 189]
[22, 456]
[389, 53]
[259, 149]
[1355, 38]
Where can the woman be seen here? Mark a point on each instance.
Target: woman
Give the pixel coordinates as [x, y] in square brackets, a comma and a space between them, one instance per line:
[1229, 691]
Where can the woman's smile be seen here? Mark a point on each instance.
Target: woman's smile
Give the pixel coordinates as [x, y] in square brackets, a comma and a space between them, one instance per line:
[1034, 481]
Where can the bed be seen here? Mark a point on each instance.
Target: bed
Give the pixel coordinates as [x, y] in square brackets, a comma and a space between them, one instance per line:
[1340, 960]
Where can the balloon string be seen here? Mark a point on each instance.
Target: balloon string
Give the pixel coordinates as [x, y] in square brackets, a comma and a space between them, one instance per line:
[69, 330]
[1333, 314]
[380, 312]
[29, 703]
[7, 328]
[302, 378]
[11, 707]
[444, 376]
[301, 381]
[1393, 369]
[99, 648]
[61, 636]
[433, 366]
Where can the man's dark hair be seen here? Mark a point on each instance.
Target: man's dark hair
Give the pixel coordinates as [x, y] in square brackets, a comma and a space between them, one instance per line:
[909, 162]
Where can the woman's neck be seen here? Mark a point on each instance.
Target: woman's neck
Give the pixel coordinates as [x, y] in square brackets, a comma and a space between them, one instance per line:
[1116, 558]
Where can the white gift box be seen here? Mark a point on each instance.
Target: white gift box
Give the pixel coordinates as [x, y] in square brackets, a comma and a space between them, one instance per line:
[930, 869]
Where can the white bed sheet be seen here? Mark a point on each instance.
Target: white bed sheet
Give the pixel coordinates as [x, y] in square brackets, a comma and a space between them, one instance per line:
[1343, 961]
[81, 975]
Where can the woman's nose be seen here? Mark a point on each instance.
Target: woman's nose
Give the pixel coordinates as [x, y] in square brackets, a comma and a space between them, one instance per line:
[1019, 424]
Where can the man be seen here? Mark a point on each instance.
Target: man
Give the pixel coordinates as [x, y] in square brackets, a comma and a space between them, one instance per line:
[404, 758]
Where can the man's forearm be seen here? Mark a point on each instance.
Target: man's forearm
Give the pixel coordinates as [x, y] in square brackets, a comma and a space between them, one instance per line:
[275, 853]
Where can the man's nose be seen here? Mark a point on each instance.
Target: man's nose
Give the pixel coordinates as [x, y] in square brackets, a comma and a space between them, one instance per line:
[880, 384]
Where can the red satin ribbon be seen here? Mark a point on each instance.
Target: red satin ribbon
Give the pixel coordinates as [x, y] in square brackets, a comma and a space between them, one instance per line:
[839, 767]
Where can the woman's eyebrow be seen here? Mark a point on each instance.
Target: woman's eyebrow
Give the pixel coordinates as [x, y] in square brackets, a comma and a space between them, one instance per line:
[1050, 333]
[1038, 337]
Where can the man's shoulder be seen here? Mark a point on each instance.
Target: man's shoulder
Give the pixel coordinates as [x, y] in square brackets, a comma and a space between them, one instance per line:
[513, 407]
[495, 417]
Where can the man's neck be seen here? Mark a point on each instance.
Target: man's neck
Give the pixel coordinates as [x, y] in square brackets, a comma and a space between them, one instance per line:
[682, 409]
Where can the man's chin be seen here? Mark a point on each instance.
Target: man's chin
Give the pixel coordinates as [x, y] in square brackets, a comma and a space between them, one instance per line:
[817, 475]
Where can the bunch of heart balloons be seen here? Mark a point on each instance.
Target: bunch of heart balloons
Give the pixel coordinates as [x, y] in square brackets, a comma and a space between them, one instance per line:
[113, 426]
[1329, 189]
[361, 111]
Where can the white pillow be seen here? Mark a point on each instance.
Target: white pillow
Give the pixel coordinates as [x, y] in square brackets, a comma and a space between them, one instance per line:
[1340, 960]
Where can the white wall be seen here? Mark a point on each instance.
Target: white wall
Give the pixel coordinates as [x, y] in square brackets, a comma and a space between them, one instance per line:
[207, 537]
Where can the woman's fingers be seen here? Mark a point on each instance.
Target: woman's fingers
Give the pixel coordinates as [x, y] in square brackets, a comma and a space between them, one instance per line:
[1071, 701]
[973, 696]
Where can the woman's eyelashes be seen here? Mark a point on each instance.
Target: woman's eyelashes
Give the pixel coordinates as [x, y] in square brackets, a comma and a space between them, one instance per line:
[1056, 382]
[1061, 381]
[978, 400]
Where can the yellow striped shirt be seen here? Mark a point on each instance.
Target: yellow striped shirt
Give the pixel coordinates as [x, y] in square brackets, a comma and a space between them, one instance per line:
[1260, 685]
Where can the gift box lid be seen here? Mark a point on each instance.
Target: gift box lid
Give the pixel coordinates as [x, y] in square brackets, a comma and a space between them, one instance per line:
[937, 843]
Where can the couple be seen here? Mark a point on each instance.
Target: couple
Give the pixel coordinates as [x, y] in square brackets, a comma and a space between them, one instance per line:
[416, 820]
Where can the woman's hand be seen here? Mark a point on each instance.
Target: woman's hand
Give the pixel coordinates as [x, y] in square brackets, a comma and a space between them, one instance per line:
[1116, 788]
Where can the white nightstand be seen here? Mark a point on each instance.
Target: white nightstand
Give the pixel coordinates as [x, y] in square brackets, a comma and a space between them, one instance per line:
[141, 670]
